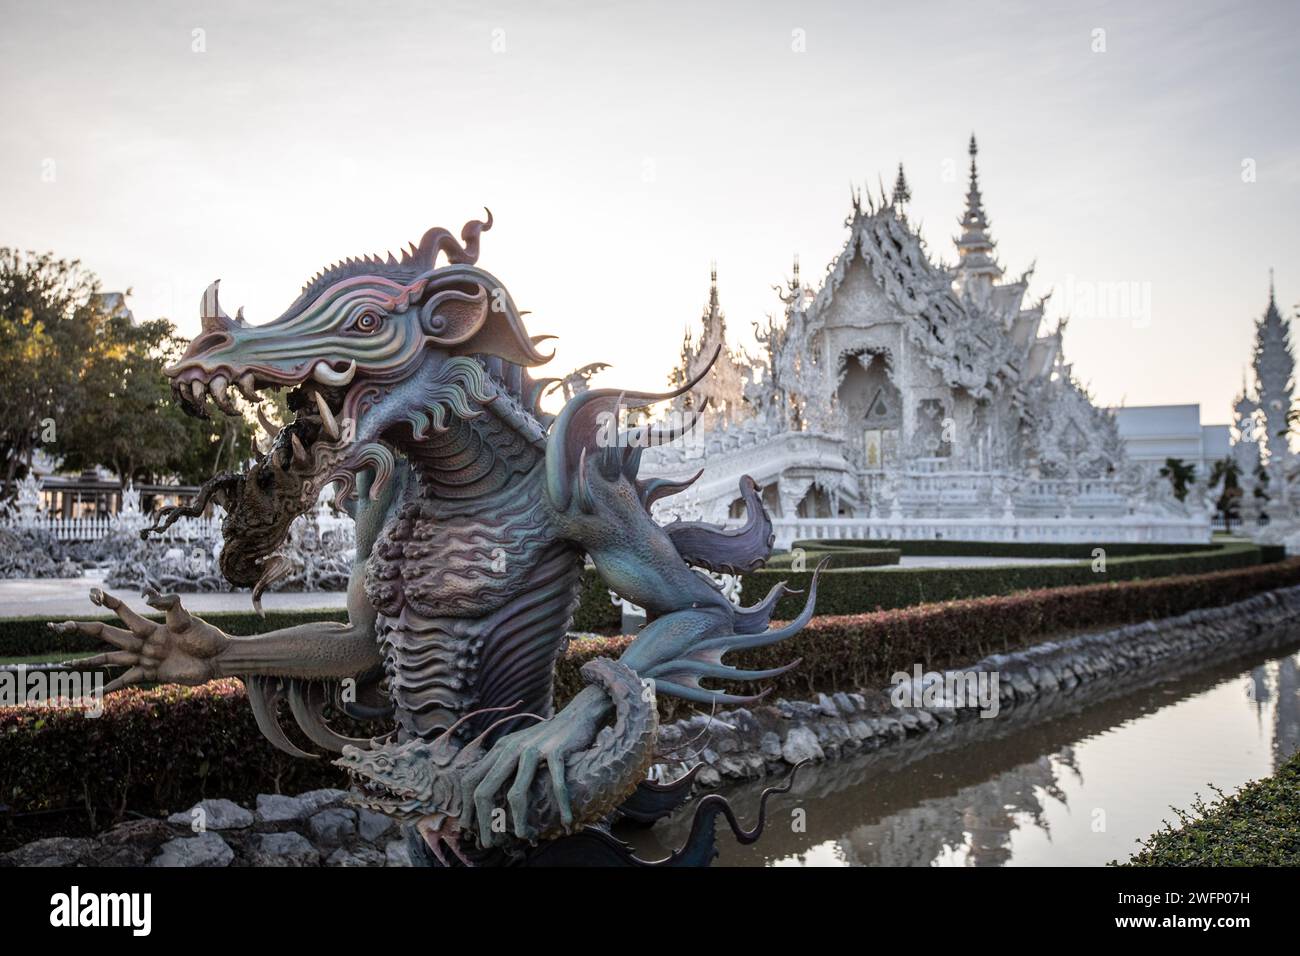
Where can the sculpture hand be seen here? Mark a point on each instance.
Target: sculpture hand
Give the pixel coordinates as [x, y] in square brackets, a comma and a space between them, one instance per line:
[520, 754]
[181, 650]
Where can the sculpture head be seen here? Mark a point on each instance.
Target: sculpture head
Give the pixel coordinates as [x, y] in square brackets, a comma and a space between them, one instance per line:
[419, 778]
[374, 353]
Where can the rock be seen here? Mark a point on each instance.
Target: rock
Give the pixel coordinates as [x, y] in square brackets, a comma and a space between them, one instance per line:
[709, 756]
[827, 706]
[361, 856]
[397, 854]
[769, 745]
[334, 826]
[206, 849]
[213, 815]
[801, 744]
[860, 729]
[670, 736]
[708, 777]
[52, 851]
[1021, 684]
[278, 808]
[132, 843]
[372, 825]
[732, 767]
[283, 849]
[844, 702]
[319, 799]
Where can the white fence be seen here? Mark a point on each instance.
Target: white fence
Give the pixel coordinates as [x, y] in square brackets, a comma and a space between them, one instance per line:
[101, 526]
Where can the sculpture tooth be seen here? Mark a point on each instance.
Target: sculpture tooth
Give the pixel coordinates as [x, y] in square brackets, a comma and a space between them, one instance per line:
[299, 452]
[198, 391]
[323, 373]
[327, 417]
[219, 395]
[272, 429]
[247, 386]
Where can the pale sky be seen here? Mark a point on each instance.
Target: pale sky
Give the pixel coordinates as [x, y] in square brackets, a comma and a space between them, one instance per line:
[622, 147]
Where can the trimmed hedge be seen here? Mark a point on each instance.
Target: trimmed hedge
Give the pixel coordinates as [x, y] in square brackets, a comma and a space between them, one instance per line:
[847, 591]
[596, 613]
[1259, 825]
[838, 558]
[29, 636]
[839, 652]
[152, 751]
[159, 750]
[1007, 549]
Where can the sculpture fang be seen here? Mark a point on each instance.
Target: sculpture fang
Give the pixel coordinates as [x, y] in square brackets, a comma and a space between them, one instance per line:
[474, 514]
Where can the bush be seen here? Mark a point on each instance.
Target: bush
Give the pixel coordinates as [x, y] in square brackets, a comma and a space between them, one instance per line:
[1259, 825]
[848, 591]
[841, 592]
[1008, 549]
[838, 558]
[160, 750]
[841, 652]
[29, 636]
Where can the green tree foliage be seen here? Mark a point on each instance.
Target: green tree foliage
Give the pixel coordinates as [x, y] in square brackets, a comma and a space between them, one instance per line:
[1228, 505]
[85, 382]
[1180, 474]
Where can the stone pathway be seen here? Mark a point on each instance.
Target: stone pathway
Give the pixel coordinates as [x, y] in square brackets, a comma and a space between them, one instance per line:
[63, 598]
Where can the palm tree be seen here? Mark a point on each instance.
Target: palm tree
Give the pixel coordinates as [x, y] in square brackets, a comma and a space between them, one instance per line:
[1180, 474]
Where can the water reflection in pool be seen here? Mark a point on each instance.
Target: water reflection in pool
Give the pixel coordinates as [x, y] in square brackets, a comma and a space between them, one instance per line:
[1067, 782]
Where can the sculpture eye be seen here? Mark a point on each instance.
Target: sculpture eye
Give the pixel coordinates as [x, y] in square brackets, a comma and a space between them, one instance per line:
[367, 321]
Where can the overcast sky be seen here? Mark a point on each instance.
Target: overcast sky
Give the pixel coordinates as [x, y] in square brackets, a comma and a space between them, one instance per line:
[1146, 155]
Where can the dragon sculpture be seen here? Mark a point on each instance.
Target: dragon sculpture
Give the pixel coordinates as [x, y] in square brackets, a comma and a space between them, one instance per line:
[474, 512]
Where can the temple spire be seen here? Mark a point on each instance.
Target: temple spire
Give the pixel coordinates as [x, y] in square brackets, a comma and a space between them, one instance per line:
[1274, 366]
[901, 193]
[977, 269]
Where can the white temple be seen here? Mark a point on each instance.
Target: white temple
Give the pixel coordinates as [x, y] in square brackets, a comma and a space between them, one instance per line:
[903, 397]
[1269, 469]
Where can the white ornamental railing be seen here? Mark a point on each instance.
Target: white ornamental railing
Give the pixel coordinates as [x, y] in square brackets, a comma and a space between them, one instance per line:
[94, 527]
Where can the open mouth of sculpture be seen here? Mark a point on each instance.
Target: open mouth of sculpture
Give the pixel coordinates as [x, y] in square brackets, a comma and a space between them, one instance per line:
[317, 401]
[296, 460]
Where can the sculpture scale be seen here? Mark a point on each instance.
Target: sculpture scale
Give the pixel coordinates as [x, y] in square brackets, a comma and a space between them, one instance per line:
[474, 511]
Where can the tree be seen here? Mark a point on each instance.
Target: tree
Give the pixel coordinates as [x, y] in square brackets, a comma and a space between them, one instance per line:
[96, 376]
[1181, 476]
[1261, 494]
[49, 320]
[1229, 501]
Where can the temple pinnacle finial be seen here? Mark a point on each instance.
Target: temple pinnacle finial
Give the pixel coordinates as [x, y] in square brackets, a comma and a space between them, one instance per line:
[1271, 297]
[713, 273]
[901, 193]
[794, 282]
[973, 147]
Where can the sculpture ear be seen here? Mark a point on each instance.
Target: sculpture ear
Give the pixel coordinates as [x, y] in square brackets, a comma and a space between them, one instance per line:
[466, 312]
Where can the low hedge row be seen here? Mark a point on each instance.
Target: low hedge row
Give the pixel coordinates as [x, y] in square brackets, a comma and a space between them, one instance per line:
[1259, 825]
[864, 650]
[846, 588]
[1006, 549]
[159, 750]
[849, 591]
[837, 558]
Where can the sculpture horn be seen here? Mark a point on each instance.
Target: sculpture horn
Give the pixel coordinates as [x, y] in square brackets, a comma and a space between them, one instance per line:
[577, 425]
[211, 315]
